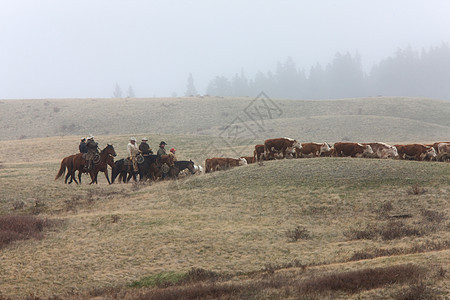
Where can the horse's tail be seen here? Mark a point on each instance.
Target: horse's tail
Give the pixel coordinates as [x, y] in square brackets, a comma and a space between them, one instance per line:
[62, 170]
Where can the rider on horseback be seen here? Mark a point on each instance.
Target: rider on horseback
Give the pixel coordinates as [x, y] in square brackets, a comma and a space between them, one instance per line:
[172, 151]
[83, 148]
[133, 151]
[161, 150]
[92, 147]
[145, 148]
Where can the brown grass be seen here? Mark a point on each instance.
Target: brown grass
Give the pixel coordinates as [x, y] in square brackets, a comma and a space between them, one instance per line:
[232, 222]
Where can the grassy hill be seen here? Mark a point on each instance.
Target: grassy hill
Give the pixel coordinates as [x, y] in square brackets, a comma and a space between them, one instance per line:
[270, 231]
[379, 118]
[283, 229]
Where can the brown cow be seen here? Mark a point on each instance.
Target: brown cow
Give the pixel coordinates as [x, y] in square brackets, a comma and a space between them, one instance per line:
[280, 145]
[249, 159]
[258, 153]
[222, 163]
[415, 151]
[382, 150]
[312, 149]
[352, 149]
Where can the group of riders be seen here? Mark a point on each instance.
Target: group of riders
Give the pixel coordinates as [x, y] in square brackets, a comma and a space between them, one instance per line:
[90, 151]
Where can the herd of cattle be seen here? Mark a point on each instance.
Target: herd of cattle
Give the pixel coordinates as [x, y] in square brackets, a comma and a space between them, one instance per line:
[280, 148]
[151, 166]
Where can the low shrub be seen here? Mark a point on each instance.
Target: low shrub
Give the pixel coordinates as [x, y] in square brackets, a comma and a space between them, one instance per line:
[285, 286]
[370, 253]
[199, 274]
[416, 291]
[393, 229]
[433, 216]
[21, 227]
[297, 234]
[366, 279]
[416, 190]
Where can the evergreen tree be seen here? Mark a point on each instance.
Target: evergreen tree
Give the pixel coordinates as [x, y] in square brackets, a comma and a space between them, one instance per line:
[130, 92]
[220, 86]
[190, 89]
[117, 91]
[239, 85]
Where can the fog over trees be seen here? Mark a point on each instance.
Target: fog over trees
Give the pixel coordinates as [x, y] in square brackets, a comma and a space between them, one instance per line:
[324, 49]
[407, 72]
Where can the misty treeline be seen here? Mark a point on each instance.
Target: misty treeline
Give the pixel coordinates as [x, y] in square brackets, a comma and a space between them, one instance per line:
[408, 72]
[119, 94]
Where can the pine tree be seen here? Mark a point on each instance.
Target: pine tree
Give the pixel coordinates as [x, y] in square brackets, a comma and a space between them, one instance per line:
[130, 92]
[190, 90]
[117, 91]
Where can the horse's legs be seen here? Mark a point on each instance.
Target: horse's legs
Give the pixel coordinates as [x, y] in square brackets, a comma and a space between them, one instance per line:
[91, 174]
[107, 177]
[67, 177]
[72, 177]
[129, 176]
[122, 177]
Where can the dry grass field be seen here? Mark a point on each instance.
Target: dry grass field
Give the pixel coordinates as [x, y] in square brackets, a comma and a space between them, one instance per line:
[299, 228]
[391, 119]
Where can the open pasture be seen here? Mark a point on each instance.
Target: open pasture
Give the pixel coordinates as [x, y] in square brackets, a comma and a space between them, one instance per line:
[386, 119]
[293, 219]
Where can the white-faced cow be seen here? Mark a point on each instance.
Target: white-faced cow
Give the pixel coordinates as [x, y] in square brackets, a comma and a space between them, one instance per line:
[280, 145]
[223, 163]
[416, 152]
[352, 150]
[443, 151]
[312, 150]
[258, 153]
[383, 150]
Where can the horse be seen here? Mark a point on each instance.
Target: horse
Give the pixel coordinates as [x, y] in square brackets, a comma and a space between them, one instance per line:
[78, 163]
[123, 168]
[102, 167]
[66, 163]
[150, 167]
[181, 165]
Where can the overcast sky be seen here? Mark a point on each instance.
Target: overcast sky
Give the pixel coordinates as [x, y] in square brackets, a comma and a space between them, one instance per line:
[81, 48]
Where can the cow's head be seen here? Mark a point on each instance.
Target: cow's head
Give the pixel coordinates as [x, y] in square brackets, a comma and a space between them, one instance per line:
[393, 152]
[367, 150]
[297, 145]
[431, 153]
[291, 150]
[324, 148]
[242, 161]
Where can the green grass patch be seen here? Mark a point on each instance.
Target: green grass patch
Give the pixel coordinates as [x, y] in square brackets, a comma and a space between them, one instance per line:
[160, 279]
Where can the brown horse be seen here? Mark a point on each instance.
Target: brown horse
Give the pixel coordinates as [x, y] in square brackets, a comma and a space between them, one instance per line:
[102, 167]
[66, 163]
[78, 163]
